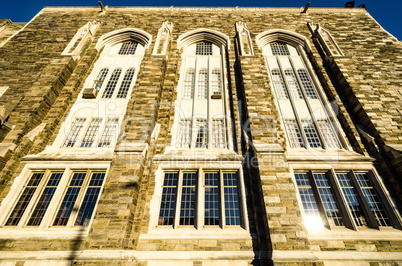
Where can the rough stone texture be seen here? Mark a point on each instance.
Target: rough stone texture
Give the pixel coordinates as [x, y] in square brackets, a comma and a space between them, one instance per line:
[43, 85]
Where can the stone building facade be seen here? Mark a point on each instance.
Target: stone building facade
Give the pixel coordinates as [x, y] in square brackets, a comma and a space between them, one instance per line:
[200, 136]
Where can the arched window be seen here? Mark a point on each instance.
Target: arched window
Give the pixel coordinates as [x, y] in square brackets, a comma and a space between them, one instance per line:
[111, 82]
[307, 122]
[201, 122]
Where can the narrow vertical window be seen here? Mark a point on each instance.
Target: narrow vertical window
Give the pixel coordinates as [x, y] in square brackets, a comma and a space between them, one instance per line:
[311, 133]
[168, 202]
[231, 198]
[352, 199]
[308, 200]
[328, 133]
[293, 86]
[126, 83]
[216, 82]
[25, 198]
[44, 200]
[218, 134]
[128, 48]
[279, 85]
[372, 199]
[184, 133]
[90, 199]
[189, 82]
[307, 84]
[212, 202]
[328, 200]
[202, 134]
[202, 84]
[188, 196]
[92, 132]
[70, 199]
[203, 48]
[111, 84]
[109, 132]
[75, 130]
[100, 78]
[294, 135]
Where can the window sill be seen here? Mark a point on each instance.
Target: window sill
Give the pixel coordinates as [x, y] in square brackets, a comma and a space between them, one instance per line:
[191, 232]
[43, 233]
[363, 233]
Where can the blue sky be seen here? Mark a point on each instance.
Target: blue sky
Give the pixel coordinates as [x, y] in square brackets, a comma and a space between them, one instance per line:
[386, 12]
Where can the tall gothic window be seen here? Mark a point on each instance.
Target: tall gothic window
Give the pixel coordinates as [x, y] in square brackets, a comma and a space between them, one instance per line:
[306, 121]
[201, 120]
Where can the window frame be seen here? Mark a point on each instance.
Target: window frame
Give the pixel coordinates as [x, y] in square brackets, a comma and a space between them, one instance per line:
[52, 209]
[199, 225]
[305, 97]
[346, 214]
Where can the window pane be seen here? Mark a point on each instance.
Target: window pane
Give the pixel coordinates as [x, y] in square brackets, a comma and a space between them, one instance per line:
[111, 84]
[328, 133]
[24, 199]
[373, 200]
[202, 84]
[168, 201]
[294, 135]
[44, 200]
[128, 48]
[311, 134]
[212, 216]
[75, 130]
[125, 84]
[293, 86]
[70, 198]
[328, 200]
[189, 82]
[184, 134]
[90, 199]
[352, 200]
[279, 85]
[108, 132]
[188, 198]
[91, 133]
[100, 78]
[203, 48]
[201, 139]
[231, 197]
[218, 134]
[216, 82]
[307, 84]
[279, 48]
[308, 200]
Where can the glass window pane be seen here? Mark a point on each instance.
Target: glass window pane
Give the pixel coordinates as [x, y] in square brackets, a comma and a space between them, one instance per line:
[188, 199]
[307, 84]
[373, 200]
[111, 84]
[218, 133]
[293, 85]
[279, 84]
[70, 198]
[328, 200]
[202, 134]
[189, 83]
[44, 200]
[128, 48]
[109, 132]
[202, 84]
[100, 78]
[203, 48]
[168, 201]
[90, 199]
[184, 134]
[24, 199]
[311, 134]
[352, 199]
[212, 202]
[75, 130]
[126, 83]
[294, 135]
[279, 48]
[231, 197]
[92, 132]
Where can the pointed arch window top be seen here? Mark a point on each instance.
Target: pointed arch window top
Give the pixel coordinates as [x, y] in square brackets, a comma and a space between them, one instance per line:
[123, 35]
[206, 35]
[279, 35]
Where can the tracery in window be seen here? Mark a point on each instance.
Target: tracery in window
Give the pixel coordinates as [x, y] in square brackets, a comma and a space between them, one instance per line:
[307, 122]
[42, 193]
[201, 198]
[325, 203]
